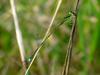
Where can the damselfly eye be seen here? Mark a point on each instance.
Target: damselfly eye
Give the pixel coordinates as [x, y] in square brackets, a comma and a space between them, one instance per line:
[29, 60]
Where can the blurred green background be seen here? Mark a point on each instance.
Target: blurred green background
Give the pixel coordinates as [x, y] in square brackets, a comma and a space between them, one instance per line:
[34, 17]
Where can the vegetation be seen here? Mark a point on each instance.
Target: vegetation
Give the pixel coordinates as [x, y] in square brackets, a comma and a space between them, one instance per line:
[49, 37]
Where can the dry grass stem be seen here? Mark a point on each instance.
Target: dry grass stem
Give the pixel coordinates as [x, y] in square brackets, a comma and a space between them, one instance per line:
[70, 44]
[18, 33]
[46, 35]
